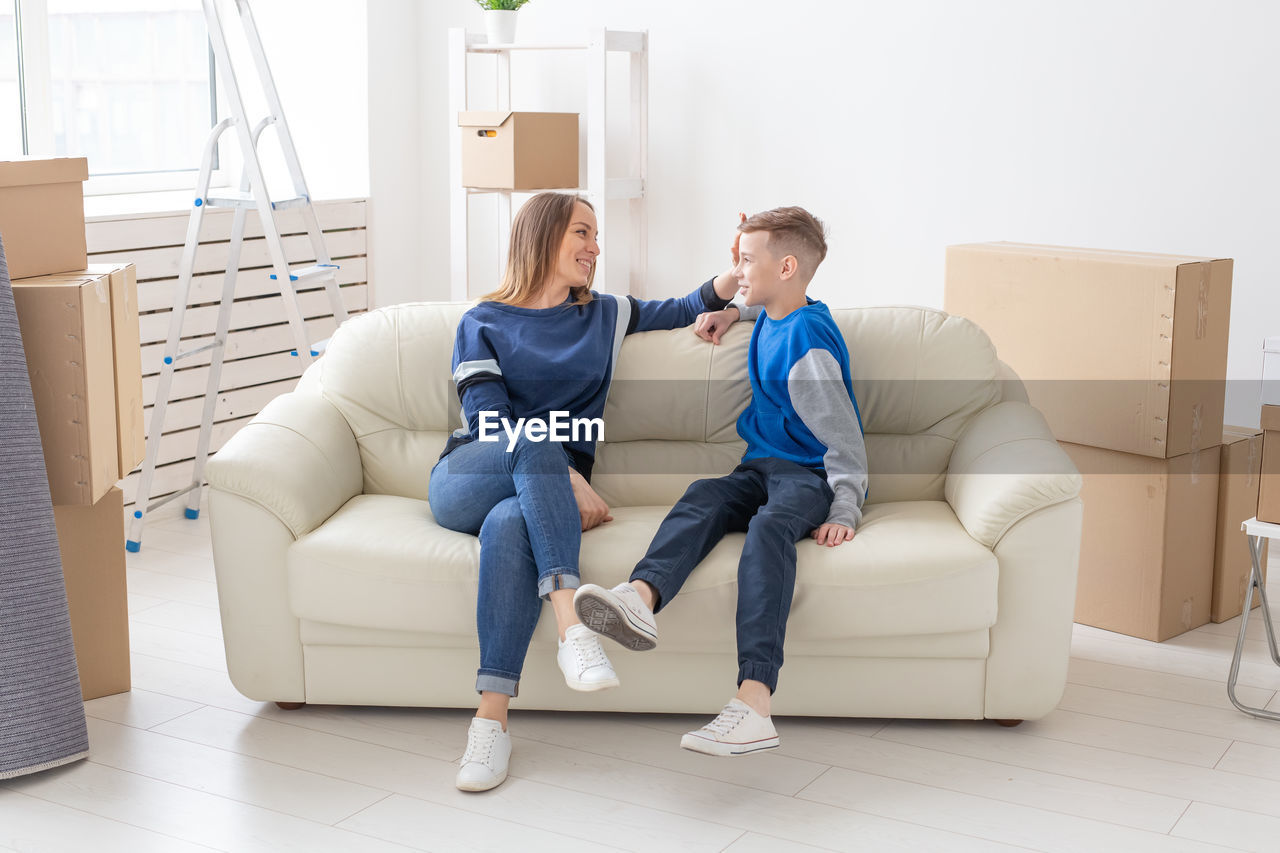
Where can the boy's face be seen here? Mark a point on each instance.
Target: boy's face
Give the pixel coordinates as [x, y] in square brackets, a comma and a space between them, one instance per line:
[761, 274]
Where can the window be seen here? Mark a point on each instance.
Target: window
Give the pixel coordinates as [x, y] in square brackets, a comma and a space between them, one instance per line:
[128, 84]
[10, 96]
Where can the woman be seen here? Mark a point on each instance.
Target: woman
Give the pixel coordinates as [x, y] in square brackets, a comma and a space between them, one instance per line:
[543, 342]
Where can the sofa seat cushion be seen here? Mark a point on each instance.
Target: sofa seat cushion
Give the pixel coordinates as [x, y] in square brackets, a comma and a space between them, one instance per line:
[382, 562]
[911, 569]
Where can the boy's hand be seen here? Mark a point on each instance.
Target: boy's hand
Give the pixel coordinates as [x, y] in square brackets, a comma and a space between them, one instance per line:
[832, 535]
[591, 507]
[710, 325]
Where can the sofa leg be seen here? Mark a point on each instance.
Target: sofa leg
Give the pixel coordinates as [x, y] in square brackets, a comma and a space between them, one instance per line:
[293, 706]
[1009, 723]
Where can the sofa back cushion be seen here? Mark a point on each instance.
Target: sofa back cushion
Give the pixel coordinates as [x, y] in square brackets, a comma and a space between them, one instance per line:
[919, 375]
[388, 372]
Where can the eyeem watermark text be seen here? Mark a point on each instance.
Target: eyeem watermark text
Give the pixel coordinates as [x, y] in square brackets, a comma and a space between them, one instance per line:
[558, 426]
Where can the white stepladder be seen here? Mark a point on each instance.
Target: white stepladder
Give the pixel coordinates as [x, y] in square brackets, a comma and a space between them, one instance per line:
[253, 195]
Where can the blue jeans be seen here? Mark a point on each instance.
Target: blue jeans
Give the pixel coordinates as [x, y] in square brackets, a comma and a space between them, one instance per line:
[522, 507]
[777, 503]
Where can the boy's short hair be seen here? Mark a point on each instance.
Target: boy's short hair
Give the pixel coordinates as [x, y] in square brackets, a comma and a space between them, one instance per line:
[792, 231]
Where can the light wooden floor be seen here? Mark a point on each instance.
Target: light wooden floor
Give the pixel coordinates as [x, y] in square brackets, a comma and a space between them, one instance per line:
[1145, 753]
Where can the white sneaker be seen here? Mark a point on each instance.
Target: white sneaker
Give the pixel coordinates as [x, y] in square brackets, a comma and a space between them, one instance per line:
[484, 764]
[583, 662]
[737, 731]
[619, 614]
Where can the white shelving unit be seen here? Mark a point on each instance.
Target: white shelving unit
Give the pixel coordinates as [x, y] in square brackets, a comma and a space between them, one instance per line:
[600, 188]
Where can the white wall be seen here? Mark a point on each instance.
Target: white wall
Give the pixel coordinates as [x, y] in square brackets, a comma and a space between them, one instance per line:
[397, 161]
[1132, 124]
[318, 53]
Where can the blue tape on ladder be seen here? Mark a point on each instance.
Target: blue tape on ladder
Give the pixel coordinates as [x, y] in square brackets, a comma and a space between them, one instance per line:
[168, 360]
[199, 202]
[191, 513]
[132, 547]
[137, 513]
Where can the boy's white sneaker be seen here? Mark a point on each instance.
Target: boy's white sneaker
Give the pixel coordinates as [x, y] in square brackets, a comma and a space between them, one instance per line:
[484, 764]
[738, 730]
[583, 661]
[619, 614]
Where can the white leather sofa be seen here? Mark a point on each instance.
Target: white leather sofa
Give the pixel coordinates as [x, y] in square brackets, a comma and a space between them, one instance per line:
[954, 600]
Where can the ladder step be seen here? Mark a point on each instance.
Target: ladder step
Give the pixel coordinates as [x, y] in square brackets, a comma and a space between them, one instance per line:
[244, 199]
[316, 349]
[311, 272]
[180, 356]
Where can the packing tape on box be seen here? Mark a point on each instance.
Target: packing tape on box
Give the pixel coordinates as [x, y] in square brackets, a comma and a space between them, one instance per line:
[1202, 302]
[1197, 419]
[1254, 444]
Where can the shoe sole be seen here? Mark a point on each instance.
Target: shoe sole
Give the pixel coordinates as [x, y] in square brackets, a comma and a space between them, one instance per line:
[591, 686]
[600, 615]
[714, 747]
[480, 786]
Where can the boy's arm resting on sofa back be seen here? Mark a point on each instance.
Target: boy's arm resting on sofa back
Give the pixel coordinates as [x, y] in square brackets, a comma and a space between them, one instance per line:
[1005, 466]
[816, 387]
[297, 459]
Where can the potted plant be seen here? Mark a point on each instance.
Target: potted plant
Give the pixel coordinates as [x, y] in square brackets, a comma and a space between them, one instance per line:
[500, 19]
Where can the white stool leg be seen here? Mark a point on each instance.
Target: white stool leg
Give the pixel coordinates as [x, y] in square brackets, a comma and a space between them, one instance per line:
[1255, 580]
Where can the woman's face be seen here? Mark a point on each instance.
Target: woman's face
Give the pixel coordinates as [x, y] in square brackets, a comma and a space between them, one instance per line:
[578, 249]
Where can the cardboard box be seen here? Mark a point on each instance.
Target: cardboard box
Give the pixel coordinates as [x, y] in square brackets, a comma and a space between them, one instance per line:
[1238, 477]
[127, 356]
[42, 214]
[1146, 552]
[91, 539]
[1271, 372]
[1269, 490]
[519, 151]
[66, 333]
[1118, 350]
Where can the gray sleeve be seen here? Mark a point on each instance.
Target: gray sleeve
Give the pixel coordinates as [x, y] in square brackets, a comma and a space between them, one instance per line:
[817, 391]
[745, 312]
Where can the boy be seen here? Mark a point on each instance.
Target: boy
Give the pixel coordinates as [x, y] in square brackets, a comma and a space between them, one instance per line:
[804, 473]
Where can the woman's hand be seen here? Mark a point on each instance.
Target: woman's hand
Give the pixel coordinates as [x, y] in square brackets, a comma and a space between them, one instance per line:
[737, 238]
[726, 284]
[832, 535]
[710, 325]
[591, 507]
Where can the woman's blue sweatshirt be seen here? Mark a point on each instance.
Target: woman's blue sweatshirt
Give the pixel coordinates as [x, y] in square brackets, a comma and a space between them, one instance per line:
[529, 362]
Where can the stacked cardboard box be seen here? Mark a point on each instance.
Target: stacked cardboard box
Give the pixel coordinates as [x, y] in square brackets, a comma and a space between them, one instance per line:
[1241, 472]
[91, 539]
[1269, 496]
[79, 328]
[1125, 354]
[42, 214]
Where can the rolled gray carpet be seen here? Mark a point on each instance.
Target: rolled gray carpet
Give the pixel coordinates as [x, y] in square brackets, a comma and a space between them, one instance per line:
[41, 715]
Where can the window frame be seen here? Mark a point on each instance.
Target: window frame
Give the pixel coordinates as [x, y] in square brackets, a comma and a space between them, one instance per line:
[35, 95]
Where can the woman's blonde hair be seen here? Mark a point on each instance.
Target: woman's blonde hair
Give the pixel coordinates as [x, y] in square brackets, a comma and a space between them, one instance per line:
[536, 236]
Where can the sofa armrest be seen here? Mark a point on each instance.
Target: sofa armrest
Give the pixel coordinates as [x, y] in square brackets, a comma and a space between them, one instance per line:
[1005, 466]
[297, 459]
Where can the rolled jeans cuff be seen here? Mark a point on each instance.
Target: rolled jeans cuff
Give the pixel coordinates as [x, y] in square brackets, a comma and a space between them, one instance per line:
[558, 579]
[493, 681]
[762, 672]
